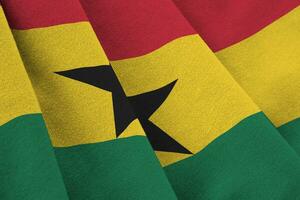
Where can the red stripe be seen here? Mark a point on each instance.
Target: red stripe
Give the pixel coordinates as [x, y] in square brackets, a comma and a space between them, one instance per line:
[222, 23]
[132, 28]
[26, 14]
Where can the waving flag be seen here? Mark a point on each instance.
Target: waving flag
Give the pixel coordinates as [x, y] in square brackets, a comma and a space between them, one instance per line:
[231, 141]
[148, 100]
[79, 110]
[28, 168]
[260, 48]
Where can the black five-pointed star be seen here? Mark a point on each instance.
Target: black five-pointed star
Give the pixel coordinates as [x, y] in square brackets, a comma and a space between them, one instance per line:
[126, 109]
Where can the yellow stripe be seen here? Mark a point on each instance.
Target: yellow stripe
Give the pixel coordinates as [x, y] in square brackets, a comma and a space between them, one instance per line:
[267, 66]
[16, 94]
[75, 112]
[61, 47]
[167, 158]
[205, 101]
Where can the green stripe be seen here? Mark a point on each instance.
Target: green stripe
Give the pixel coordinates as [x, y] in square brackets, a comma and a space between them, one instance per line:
[291, 132]
[250, 161]
[28, 169]
[118, 169]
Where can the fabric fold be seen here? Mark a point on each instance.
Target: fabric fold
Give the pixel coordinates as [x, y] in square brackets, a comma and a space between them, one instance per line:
[101, 151]
[28, 166]
[231, 149]
[149, 99]
[260, 49]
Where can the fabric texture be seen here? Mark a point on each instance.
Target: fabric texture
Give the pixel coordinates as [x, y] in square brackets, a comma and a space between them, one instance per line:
[179, 99]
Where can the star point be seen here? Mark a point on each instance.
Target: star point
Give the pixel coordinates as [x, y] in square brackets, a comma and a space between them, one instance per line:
[127, 109]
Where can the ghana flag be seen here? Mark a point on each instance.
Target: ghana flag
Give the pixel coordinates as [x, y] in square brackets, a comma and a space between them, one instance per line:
[155, 113]
[258, 42]
[227, 148]
[100, 146]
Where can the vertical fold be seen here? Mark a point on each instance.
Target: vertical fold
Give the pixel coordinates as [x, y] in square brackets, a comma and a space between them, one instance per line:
[100, 145]
[233, 150]
[28, 167]
[258, 42]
